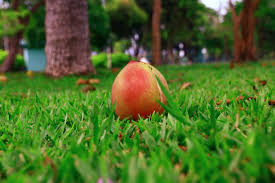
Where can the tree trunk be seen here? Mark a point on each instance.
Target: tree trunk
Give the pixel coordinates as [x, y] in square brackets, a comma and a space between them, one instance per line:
[13, 44]
[13, 47]
[244, 28]
[156, 32]
[67, 34]
[248, 29]
[13, 41]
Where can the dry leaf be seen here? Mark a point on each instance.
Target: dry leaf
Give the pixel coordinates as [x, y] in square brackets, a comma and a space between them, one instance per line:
[174, 80]
[256, 79]
[81, 81]
[3, 79]
[271, 102]
[94, 81]
[219, 103]
[185, 85]
[239, 98]
[88, 88]
[115, 70]
[262, 82]
[184, 148]
[251, 98]
[272, 169]
[227, 102]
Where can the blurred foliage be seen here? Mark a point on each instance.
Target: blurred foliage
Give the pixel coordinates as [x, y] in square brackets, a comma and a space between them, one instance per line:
[35, 31]
[19, 62]
[266, 28]
[99, 23]
[121, 45]
[9, 21]
[126, 17]
[118, 59]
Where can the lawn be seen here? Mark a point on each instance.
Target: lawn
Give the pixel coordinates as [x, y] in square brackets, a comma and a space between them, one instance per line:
[50, 131]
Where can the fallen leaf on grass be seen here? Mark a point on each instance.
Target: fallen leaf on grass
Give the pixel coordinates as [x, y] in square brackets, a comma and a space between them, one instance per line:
[264, 64]
[49, 161]
[271, 102]
[227, 102]
[115, 70]
[262, 82]
[88, 88]
[81, 81]
[174, 80]
[185, 85]
[251, 98]
[94, 81]
[219, 103]
[184, 148]
[272, 169]
[3, 79]
[256, 79]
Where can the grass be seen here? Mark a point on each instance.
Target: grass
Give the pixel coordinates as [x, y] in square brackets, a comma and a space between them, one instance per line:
[52, 132]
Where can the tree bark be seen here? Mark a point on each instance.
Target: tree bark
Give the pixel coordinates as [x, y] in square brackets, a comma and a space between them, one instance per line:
[13, 44]
[67, 38]
[244, 28]
[156, 32]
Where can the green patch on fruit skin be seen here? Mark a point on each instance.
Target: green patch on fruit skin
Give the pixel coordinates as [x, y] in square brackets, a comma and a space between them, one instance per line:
[196, 142]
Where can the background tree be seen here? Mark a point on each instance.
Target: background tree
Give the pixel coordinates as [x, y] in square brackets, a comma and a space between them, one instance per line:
[244, 26]
[19, 12]
[67, 35]
[156, 33]
[126, 17]
[186, 22]
[99, 25]
[265, 27]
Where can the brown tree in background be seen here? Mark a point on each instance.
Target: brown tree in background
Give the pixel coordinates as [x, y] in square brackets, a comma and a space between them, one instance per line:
[13, 41]
[67, 38]
[244, 28]
[156, 32]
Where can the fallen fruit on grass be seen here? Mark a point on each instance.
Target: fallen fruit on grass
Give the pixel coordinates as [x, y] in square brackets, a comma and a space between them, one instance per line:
[136, 92]
[29, 73]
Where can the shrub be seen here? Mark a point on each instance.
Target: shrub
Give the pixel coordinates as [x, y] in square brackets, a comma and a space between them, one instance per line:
[118, 60]
[19, 62]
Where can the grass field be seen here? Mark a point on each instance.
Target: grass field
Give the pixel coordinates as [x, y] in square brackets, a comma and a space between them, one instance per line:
[50, 131]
